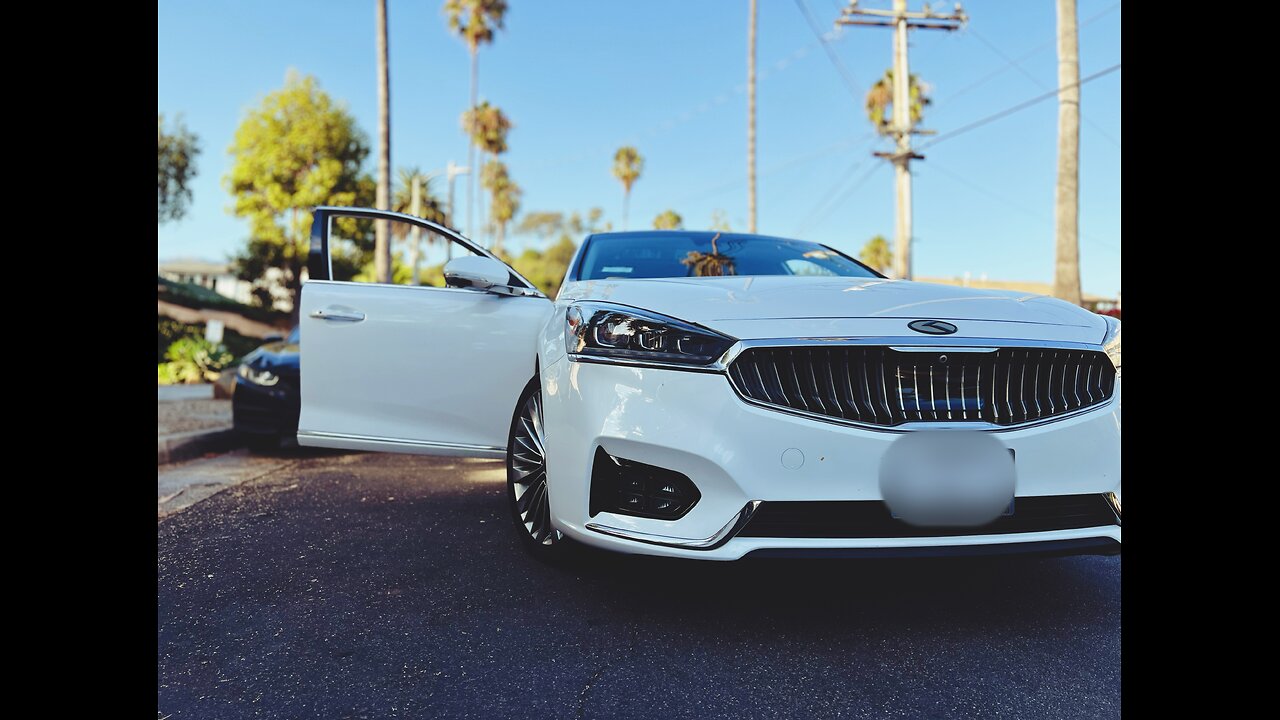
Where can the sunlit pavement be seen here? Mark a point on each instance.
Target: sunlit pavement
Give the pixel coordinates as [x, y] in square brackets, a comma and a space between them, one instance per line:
[370, 586]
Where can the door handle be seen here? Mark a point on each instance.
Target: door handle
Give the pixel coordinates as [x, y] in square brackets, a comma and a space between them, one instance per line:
[338, 315]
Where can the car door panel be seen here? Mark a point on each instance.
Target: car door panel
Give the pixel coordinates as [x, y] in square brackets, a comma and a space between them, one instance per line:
[415, 369]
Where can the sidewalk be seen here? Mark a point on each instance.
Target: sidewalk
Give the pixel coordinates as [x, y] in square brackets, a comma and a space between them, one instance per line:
[190, 423]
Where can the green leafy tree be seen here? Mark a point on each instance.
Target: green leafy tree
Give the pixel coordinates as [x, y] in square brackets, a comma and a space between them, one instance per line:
[546, 225]
[506, 198]
[627, 166]
[296, 150]
[177, 168]
[877, 254]
[880, 102]
[668, 220]
[545, 268]
[475, 21]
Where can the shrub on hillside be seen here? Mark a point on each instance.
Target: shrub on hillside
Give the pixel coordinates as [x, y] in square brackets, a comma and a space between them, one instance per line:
[192, 360]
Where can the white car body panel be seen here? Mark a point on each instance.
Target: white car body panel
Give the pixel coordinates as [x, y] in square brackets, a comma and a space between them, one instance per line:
[835, 307]
[374, 384]
[696, 424]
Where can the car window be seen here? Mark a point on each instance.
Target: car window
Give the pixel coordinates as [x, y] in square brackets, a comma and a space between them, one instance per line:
[351, 245]
[703, 254]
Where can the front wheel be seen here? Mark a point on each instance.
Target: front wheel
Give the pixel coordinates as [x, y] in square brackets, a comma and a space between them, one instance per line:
[527, 479]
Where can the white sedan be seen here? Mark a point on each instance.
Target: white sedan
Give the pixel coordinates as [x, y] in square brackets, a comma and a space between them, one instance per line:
[721, 395]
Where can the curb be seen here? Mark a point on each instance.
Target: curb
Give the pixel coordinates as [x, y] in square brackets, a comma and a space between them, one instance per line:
[184, 446]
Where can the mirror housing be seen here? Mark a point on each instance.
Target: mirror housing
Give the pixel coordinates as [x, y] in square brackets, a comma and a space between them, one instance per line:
[477, 273]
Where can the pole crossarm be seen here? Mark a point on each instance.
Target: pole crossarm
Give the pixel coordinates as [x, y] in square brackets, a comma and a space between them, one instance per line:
[902, 127]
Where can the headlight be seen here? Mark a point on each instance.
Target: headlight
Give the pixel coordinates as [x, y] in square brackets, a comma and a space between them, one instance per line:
[1111, 343]
[615, 331]
[258, 377]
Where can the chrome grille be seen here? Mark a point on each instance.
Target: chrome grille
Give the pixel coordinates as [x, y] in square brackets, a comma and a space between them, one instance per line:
[883, 386]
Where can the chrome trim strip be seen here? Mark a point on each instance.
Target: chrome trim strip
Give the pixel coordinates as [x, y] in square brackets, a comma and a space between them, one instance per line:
[722, 536]
[658, 364]
[956, 348]
[319, 435]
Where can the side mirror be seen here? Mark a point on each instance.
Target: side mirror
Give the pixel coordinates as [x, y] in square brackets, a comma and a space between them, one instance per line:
[272, 338]
[476, 272]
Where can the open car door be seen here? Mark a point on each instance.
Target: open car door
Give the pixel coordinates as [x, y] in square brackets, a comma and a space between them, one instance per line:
[435, 367]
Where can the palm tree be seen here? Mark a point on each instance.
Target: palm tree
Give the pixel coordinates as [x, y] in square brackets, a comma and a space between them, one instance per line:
[880, 100]
[711, 264]
[488, 127]
[877, 254]
[1066, 211]
[474, 21]
[668, 220]
[751, 117]
[627, 166]
[429, 208]
[505, 195]
[382, 242]
[432, 207]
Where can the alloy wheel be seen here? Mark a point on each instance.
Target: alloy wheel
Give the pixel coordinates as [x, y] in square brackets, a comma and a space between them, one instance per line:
[529, 473]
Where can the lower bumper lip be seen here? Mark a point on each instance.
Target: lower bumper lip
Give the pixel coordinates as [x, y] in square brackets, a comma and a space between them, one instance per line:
[724, 535]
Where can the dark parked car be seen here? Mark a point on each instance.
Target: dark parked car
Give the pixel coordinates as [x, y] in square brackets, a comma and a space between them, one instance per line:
[266, 400]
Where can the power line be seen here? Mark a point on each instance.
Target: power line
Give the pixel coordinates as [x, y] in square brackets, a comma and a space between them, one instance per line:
[1008, 66]
[849, 193]
[1015, 205]
[1039, 83]
[1020, 106]
[840, 146]
[831, 193]
[849, 81]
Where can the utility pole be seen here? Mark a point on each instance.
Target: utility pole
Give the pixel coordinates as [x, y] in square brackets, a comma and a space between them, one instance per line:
[415, 232]
[1066, 206]
[901, 21]
[452, 170]
[751, 118]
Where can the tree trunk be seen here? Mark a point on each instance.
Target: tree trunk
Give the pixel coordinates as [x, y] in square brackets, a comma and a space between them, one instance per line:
[751, 119]
[473, 178]
[1066, 275]
[626, 202]
[382, 244]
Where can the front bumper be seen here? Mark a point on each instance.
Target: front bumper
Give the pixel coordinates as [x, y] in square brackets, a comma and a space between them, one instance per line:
[737, 454]
[259, 410]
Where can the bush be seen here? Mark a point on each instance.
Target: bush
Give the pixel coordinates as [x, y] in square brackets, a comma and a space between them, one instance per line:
[169, 331]
[192, 360]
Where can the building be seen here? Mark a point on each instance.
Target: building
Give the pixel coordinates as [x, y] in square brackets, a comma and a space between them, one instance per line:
[221, 278]
[218, 277]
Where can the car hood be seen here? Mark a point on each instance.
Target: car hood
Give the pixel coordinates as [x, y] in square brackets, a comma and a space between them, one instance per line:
[790, 306]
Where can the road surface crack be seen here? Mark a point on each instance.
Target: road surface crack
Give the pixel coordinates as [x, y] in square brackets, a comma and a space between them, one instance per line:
[608, 664]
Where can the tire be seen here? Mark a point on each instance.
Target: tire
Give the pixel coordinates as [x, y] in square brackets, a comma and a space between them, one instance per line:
[527, 482]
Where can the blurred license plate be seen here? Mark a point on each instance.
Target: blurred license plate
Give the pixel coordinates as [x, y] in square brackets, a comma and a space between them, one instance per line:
[1008, 511]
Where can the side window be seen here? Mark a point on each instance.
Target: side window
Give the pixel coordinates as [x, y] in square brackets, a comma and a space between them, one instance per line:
[418, 254]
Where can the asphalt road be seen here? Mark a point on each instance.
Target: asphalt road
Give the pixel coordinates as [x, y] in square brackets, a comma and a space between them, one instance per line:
[378, 586]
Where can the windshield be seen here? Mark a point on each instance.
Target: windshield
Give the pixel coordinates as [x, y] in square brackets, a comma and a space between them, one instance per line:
[705, 254]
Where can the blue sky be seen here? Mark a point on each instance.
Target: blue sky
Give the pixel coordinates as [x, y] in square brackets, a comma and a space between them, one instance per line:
[581, 77]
